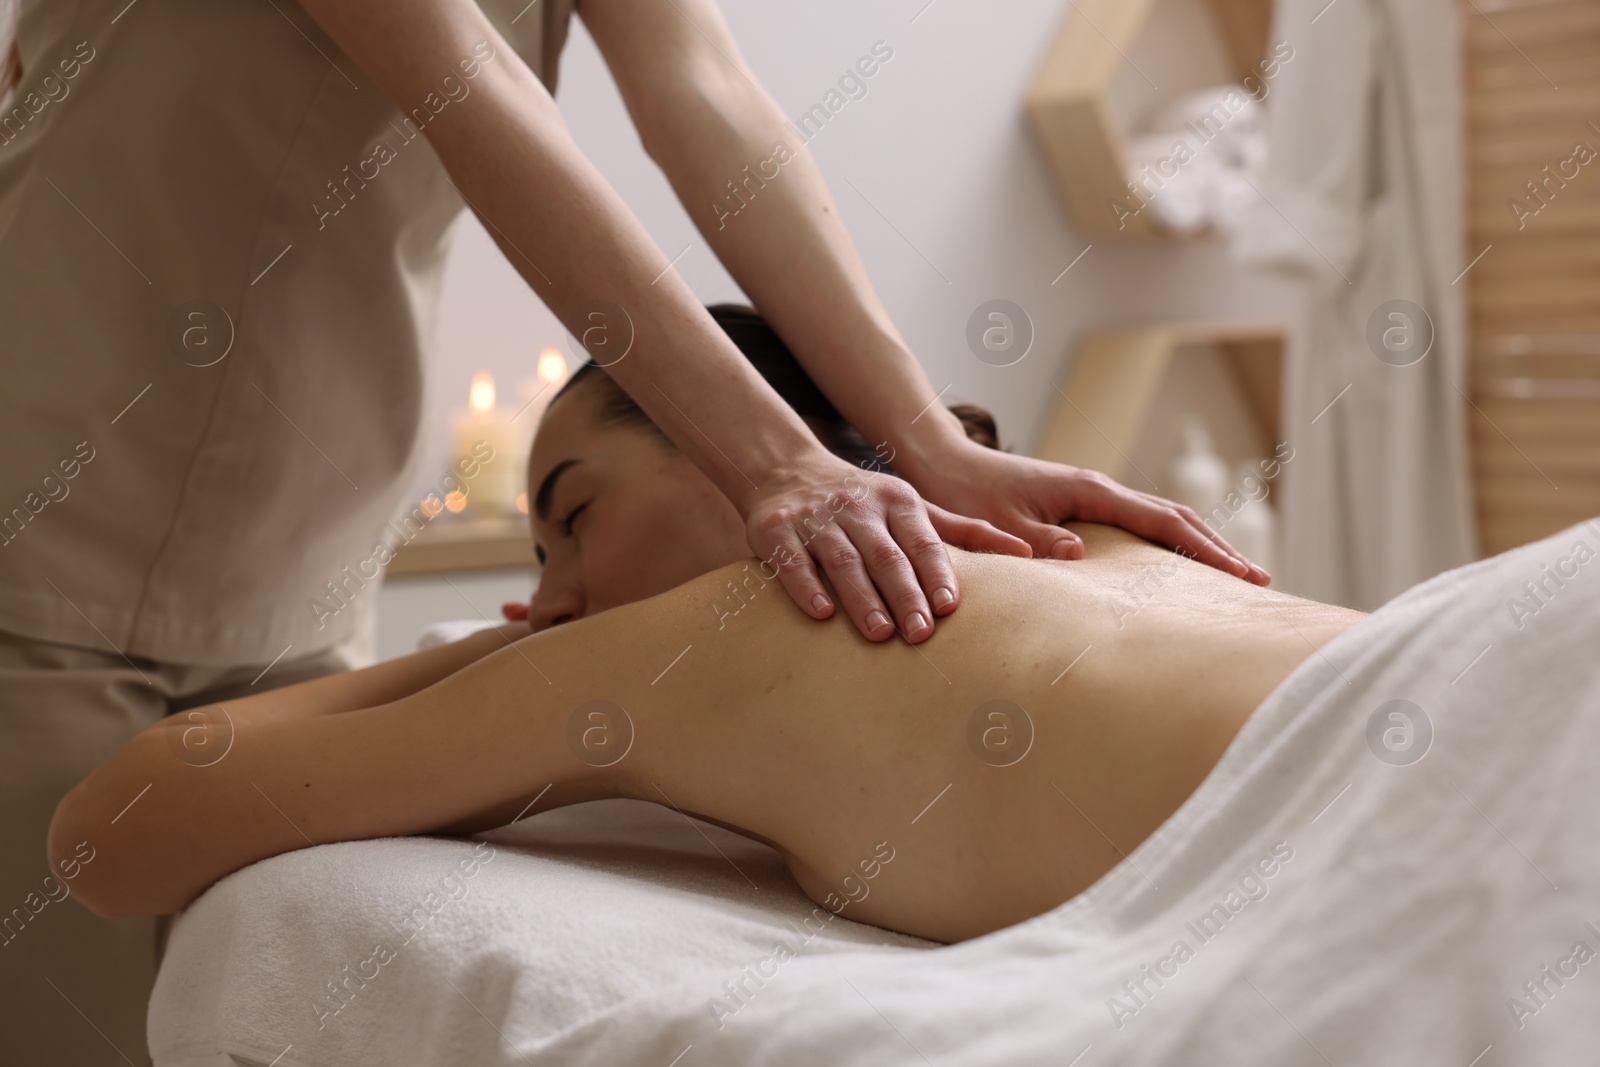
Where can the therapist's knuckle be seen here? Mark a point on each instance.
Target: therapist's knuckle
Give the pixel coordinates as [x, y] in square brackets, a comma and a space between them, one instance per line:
[900, 493]
[772, 523]
[841, 554]
[1173, 520]
[924, 545]
[1098, 479]
[884, 553]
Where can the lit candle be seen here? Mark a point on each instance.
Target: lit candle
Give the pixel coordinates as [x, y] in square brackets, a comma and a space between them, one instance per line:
[537, 392]
[489, 458]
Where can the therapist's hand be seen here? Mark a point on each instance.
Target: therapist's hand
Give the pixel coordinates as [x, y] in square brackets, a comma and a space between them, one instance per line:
[880, 544]
[1028, 497]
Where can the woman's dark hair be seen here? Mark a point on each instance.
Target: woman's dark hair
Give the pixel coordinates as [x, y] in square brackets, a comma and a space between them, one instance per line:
[773, 361]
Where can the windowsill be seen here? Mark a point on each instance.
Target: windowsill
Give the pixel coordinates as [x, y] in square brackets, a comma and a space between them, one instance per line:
[451, 545]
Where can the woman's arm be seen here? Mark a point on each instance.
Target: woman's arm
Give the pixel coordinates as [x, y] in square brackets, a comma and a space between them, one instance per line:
[365, 688]
[707, 122]
[163, 827]
[577, 245]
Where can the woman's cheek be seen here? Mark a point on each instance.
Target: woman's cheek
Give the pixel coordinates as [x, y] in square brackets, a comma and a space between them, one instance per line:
[626, 562]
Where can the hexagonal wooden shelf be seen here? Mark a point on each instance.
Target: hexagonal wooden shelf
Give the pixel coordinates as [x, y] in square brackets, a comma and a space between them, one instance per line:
[1125, 386]
[1094, 86]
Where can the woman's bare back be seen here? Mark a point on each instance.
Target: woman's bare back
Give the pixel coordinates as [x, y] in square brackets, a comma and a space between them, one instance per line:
[1000, 768]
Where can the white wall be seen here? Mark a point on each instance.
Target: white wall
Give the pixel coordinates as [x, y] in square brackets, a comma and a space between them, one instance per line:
[939, 145]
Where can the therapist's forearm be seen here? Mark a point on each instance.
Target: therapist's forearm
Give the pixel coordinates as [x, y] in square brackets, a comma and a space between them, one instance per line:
[707, 124]
[789, 250]
[508, 151]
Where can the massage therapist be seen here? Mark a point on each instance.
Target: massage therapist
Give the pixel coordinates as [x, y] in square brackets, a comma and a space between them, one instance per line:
[222, 229]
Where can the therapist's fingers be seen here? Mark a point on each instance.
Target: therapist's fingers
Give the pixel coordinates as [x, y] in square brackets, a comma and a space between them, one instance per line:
[848, 557]
[781, 548]
[875, 543]
[905, 557]
[1182, 529]
[1252, 572]
[1048, 541]
[976, 535]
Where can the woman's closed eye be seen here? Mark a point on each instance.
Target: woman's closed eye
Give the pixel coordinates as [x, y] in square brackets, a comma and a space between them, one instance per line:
[572, 516]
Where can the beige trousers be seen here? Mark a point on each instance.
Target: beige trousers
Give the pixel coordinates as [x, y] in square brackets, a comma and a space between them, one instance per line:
[74, 988]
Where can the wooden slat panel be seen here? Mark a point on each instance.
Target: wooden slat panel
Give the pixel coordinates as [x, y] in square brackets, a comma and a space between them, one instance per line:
[1576, 213]
[1554, 421]
[1535, 323]
[1563, 504]
[1529, 144]
[1567, 63]
[1577, 101]
[1494, 184]
[1528, 28]
[1536, 251]
[1553, 295]
[1500, 532]
[1536, 459]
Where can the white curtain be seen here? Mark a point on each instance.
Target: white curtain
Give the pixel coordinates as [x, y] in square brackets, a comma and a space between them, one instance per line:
[1363, 201]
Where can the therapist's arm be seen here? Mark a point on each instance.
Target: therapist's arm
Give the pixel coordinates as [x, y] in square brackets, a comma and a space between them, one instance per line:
[704, 118]
[572, 238]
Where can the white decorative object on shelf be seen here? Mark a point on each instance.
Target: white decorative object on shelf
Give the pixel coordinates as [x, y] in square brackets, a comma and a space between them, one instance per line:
[1200, 478]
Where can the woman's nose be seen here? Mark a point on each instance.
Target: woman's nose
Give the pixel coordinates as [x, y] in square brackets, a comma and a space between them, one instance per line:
[555, 601]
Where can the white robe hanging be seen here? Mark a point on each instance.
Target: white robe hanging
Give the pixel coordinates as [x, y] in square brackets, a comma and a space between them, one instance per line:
[1363, 200]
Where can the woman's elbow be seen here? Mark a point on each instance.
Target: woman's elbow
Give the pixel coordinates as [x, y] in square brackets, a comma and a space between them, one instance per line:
[699, 116]
[71, 854]
[91, 856]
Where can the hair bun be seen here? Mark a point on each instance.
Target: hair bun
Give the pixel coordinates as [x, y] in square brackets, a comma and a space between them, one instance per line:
[978, 423]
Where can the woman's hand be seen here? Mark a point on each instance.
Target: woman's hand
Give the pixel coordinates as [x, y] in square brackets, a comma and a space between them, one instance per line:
[873, 535]
[1028, 497]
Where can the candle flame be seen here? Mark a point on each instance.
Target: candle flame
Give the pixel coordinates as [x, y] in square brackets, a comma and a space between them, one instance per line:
[552, 365]
[455, 502]
[481, 397]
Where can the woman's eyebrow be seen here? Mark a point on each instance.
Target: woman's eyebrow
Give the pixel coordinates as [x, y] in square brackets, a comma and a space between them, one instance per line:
[541, 499]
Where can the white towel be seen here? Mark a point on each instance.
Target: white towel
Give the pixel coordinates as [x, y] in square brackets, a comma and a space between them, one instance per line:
[561, 920]
[1321, 898]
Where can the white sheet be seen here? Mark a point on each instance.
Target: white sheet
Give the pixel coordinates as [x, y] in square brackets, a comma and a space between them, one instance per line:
[1405, 907]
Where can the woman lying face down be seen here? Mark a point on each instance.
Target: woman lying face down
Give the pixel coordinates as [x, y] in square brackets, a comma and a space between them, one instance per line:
[945, 790]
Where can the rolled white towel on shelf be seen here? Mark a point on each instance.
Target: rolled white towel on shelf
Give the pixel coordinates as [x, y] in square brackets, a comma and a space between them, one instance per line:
[1200, 159]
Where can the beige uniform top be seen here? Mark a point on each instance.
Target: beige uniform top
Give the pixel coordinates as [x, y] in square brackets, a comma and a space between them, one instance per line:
[183, 181]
